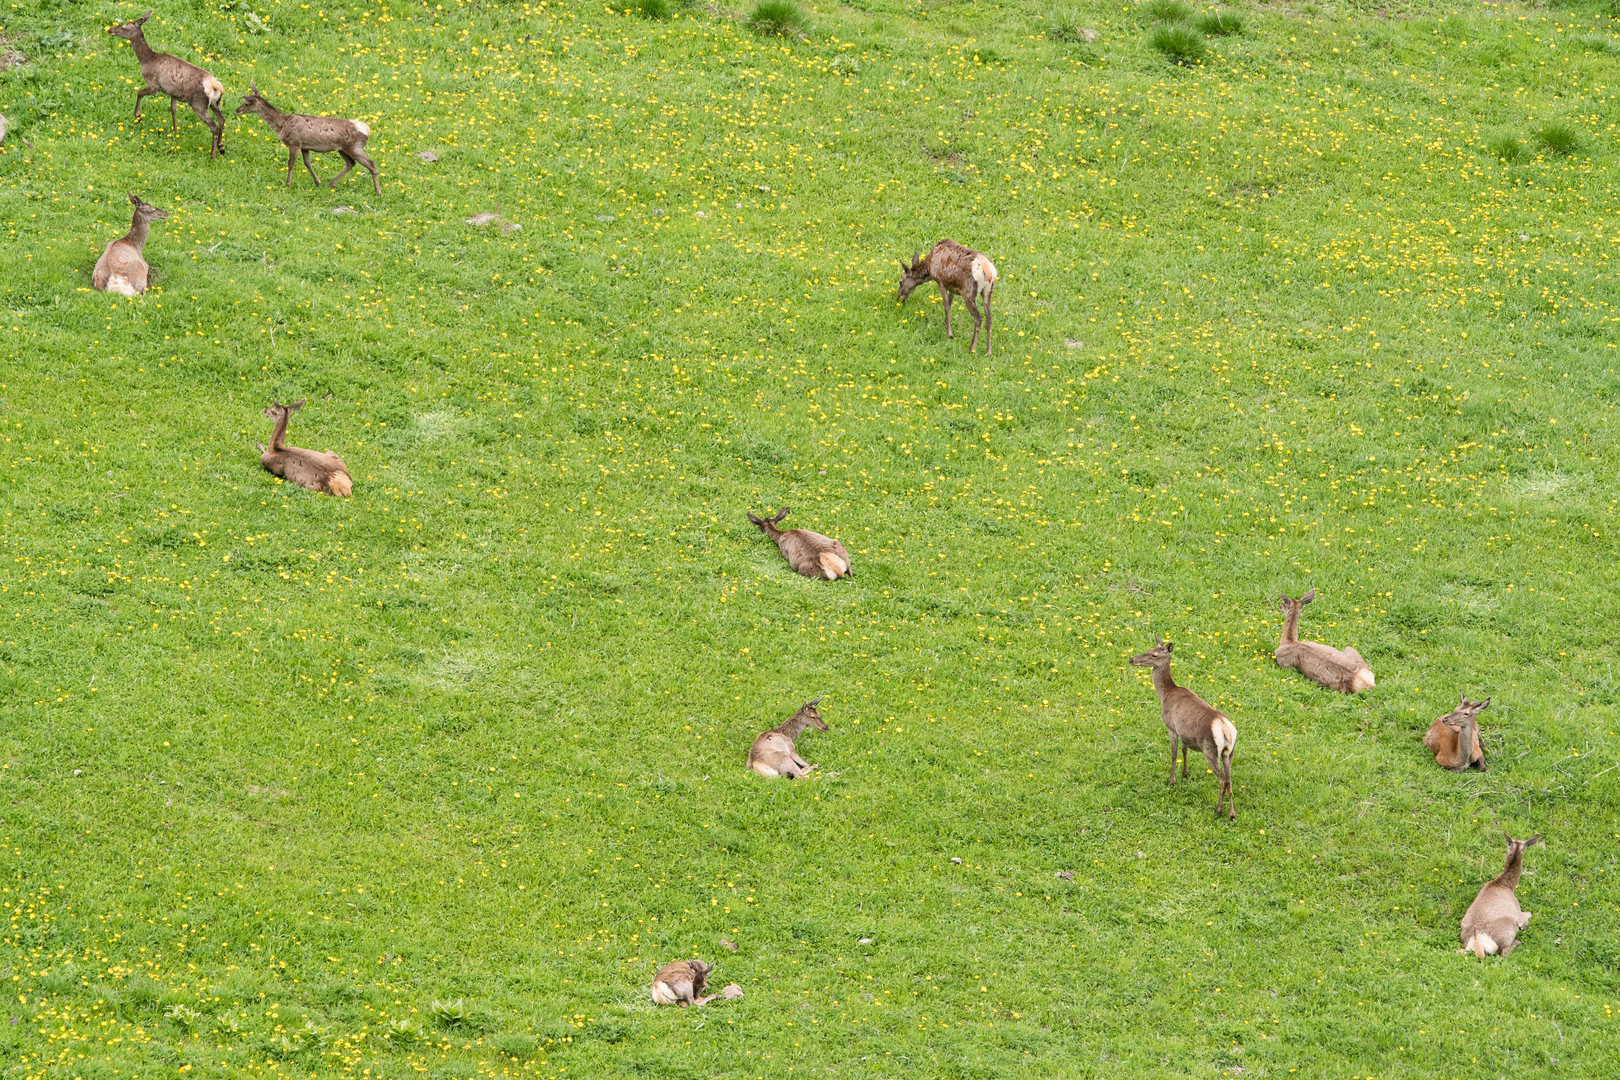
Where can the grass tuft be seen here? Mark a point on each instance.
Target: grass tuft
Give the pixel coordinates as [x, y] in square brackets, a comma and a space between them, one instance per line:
[779, 18]
[1558, 138]
[650, 9]
[1167, 11]
[1065, 25]
[1180, 43]
[1220, 23]
[1506, 147]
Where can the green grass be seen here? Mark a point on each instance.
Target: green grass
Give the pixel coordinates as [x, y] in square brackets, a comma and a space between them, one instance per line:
[1558, 137]
[1168, 11]
[778, 18]
[1220, 23]
[1179, 42]
[280, 772]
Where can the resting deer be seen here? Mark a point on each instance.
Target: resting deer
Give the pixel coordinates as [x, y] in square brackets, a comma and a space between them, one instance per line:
[1454, 738]
[1336, 669]
[1493, 921]
[809, 553]
[122, 269]
[1192, 720]
[317, 472]
[681, 983]
[181, 80]
[772, 753]
[304, 134]
[960, 271]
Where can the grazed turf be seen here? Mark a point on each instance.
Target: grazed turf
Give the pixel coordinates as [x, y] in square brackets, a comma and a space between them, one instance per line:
[280, 771]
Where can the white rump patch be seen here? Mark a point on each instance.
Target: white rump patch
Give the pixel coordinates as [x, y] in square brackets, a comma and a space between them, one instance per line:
[1481, 945]
[1363, 680]
[121, 285]
[984, 272]
[364, 130]
[662, 994]
[214, 89]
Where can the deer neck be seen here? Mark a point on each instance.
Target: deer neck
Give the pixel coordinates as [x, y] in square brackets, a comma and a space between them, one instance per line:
[1465, 742]
[136, 237]
[1162, 682]
[1290, 630]
[770, 530]
[272, 115]
[143, 52]
[1509, 877]
[278, 441]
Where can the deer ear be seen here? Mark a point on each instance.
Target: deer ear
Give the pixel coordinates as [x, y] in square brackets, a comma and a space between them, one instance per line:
[1159, 639]
[254, 84]
[134, 199]
[142, 20]
[1308, 597]
[299, 404]
[1483, 705]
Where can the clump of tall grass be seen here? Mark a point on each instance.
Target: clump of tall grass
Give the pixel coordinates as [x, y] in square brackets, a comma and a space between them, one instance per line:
[1065, 25]
[1220, 23]
[780, 18]
[1506, 147]
[1558, 137]
[1180, 43]
[1167, 11]
[649, 9]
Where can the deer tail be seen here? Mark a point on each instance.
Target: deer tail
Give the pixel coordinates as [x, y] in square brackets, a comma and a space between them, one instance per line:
[214, 90]
[341, 485]
[1225, 736]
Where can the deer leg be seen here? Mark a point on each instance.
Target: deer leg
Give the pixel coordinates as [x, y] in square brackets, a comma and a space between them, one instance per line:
[310, 167]
[292, 161]
[945, 295]
[978, 320]
[219, 128]
[987, 320]
[174, 119]
[142, 92]
[371, 166]
[1172, 758]
[344, 154]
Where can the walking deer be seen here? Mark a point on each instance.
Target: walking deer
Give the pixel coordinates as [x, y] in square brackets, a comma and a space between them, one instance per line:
[180, 79]
[959, 271]
[1454, 738]
[1192, 721]
[681, 983]
[773, 754]
[317, 472]
[122, 268]
[1492, 923]
[809, 553]
[304, 134]
[1336, 669]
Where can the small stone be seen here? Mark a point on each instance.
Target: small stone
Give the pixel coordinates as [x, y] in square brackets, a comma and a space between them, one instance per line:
[344, 210]
[1066, 875]
[604, 218]
[1074, 343]
[428, 156]
[1141, 854]
[1088, 35]
[865, 941]
[957, 859]
[731, 945]
[732, 992]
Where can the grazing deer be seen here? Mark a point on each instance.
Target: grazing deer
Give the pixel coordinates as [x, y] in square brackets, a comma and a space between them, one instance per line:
[304, 134]
[960, 271]
[809, 553]
[1192, 720]
[1454, 738]
[317, 472]
[772, 753]
[1336, 669]
[122, 269]
[180, 80]
[681, 982]
[1493, 921]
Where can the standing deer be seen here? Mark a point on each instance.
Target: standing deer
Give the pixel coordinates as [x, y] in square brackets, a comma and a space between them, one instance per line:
[1454, 738]
[960, 271]
[1493, 921]
[304, 134]
[809, 553]
[1192, 720]
[1336, 669]
[317, 472]
[681, 983]
[773, 754]
[122, 269]
[180, 80]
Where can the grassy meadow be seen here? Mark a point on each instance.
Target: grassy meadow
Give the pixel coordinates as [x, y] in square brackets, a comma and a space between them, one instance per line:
[428, 781]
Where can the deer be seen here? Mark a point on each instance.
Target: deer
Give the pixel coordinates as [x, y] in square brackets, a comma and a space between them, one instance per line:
[305, 134]
[122, 269]
[809, 553]
[1192, 721]
[773, 754]
[1454, 738]
[1336, 669]
[180, 79]
[1491, 925]
[681, 983]
[959, 271]
[317, 472]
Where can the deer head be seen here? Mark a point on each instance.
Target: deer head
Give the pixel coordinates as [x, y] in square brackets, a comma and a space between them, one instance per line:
[145, 211]
[1290, 607]
[1157, 656]
[810, 715]
[277, 410]
[254, 101]
[130, 30]
[912, 276]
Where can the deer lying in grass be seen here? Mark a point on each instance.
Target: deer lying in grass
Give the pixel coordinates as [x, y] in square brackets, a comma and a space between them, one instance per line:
[1454, 738]
[1192, 721]
[122, 268]
[681, 983]
[317, 472]
[809, 553]
[1336, 669]
[773, 754]
[959, 271]
[304, 134]
[1492, 923]
[181, 80]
